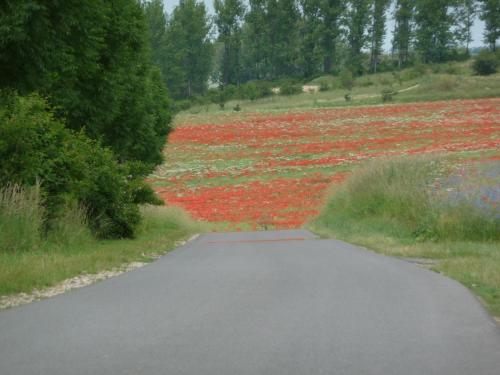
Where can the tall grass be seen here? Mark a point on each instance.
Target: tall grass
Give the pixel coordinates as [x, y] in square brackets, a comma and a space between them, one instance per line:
[406, 197]
[24, 226]
[21, 218]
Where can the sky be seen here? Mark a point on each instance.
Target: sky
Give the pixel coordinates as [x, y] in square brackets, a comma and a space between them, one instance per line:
[477, 30]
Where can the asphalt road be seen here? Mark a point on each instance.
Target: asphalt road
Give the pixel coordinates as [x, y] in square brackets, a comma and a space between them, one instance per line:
[257, 303]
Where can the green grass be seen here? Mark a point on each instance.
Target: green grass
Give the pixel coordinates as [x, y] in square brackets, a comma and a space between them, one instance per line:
[437, 82]
[401, 207]
[52, 262]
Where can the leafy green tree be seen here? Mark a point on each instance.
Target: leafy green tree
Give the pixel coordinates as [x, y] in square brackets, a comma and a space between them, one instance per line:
[271, 39]
[466, 12]
[188, 49]
[377, 31]
[284, 37]
[310, 50]
[358, 17]
[403, 18]
[490, 14]
[91, 59]
[157, 25]
[228, 17]
[434, 22]
[331, 13]
[256, 41]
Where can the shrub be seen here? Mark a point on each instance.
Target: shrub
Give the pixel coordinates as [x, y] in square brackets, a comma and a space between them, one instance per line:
[347, 79]
[255, 89]
[485, 63]
[387, 94]
[289, 88]
[323, 86]
[70, 168]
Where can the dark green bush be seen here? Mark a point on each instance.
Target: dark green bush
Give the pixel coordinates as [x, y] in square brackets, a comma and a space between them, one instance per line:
[485, 63]
[387, 94]
[36, 148]
[347, 79]
[289, 88]
[255, 89]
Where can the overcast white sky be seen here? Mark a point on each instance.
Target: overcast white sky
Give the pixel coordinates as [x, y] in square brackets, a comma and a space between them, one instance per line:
[477, 32]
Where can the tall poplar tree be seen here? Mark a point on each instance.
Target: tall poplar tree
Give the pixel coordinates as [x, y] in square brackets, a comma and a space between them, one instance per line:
[271, 39]
[188, 49]
[434, 22]
[157, 25]
[490, 14]
[403, 19]
[228, 17]
[255, 41]
[358, 17]
[377, 30]
[466, 11]
[310, 53]
[331, 13]
[283, 19]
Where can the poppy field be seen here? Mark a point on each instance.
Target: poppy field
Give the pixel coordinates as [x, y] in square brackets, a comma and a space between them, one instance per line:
[272, 170]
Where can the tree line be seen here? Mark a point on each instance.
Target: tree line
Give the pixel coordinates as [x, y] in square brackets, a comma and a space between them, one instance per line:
[272, 39]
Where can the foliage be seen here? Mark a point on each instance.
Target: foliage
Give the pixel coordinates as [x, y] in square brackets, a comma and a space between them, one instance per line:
[434, 22]
[490, 14]
[377, 31]
[387, 94]
[403, 17]
[486, 63]
[228, 17]
[36, 148]
[91, 60]
[187, 62]
[289, 88]
[347, 79]
[465, 13]
[357, 23]
[270, 48]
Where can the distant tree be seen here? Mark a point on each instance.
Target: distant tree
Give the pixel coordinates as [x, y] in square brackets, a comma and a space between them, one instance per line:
[310, 53]
[490, 14]
[256, 41]
[228, 17]
[283, 18]
[271, 39]
[331, 13]
[377, 31]
[358, 17]
[466, 11]
[434, 23]
[403, 17]
[188, 49]
[157, 24]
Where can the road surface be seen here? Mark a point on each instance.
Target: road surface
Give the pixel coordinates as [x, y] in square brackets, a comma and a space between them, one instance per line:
[270, 303]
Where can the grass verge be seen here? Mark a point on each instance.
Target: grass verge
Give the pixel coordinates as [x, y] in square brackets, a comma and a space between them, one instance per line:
[418, 208]
[23, 271]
